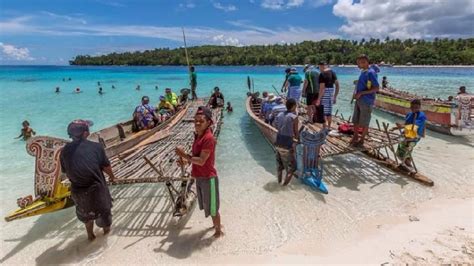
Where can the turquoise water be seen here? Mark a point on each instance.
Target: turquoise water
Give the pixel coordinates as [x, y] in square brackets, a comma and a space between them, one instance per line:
[28, 93]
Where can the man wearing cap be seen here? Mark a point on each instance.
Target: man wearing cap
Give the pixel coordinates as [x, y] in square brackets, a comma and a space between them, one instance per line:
[171, 97]
[84, 162]
[366, 89]
[310, 89]
[293, 85]
[202, 159]
[144, 115]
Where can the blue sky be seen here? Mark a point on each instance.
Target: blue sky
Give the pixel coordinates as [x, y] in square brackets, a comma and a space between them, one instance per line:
[54, 31]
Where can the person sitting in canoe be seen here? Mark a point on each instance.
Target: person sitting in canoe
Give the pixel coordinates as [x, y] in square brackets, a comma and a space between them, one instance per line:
[279, 107]
[84, 163]
[171, 97]
[164, 109]
[217, 98]
[184, 97]
[267, 107]
[413, 131]
[26, 132]
[144, 115]
[287, 125]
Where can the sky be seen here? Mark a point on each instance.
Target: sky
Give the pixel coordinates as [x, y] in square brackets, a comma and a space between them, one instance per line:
[55, 31]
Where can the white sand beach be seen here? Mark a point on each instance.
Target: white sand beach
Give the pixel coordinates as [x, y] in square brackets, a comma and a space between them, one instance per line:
[371, 215]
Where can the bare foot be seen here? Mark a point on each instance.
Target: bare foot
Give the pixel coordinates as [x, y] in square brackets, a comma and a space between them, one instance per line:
[106, 230]
[91, 237]
[218, 234]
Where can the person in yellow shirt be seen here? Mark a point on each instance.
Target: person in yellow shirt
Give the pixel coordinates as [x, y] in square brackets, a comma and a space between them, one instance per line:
[171, 97]
[164, 109]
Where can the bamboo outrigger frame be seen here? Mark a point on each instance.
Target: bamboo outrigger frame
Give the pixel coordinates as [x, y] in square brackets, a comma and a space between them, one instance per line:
[378, 146]
[150, 159]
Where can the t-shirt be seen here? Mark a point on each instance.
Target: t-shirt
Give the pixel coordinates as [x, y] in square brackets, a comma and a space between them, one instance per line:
[294, 79]
[165, 105]
[193, 78]
[367, 80]
[328, 78]
[312, 76]
[420, 121]
[145, 113]
[83, 161]
[172, 98]
[284, 124]
[205, 142]
[217, 100]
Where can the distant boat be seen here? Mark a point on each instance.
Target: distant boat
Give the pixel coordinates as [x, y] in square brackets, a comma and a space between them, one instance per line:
[383, 64]
[452, 118]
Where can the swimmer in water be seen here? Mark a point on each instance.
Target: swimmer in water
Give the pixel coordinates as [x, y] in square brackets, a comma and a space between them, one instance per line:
[26, 131]
[69, 79]
[113, 87]
[156, 87]
[98, 83]
[57, 90]
[101, 91]
[78, 90]
[138, 87]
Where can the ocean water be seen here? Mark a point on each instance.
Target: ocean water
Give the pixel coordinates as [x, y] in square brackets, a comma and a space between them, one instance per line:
[27, 93]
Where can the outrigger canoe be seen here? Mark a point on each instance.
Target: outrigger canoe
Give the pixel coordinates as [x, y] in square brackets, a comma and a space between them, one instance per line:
[51, 186]
[452, 118]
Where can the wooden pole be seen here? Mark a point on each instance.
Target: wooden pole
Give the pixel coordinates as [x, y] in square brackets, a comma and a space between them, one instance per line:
[186, 49]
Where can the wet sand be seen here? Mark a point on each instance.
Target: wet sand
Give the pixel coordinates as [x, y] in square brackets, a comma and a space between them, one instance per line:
[364, 219]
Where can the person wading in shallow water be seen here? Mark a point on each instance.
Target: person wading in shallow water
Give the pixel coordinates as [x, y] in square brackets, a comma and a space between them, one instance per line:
[202, 159]
[84, 162]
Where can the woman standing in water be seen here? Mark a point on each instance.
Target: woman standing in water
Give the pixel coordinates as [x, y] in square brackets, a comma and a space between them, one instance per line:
[202, 159]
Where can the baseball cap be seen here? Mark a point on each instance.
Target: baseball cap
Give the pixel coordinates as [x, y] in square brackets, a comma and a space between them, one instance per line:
[203, 110]
[162, 97]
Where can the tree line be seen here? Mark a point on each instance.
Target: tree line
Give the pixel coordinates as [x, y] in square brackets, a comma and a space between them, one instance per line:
[337, 51]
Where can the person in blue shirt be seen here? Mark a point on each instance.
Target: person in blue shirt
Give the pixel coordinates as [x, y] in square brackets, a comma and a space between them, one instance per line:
[366, 88]
[414, 127]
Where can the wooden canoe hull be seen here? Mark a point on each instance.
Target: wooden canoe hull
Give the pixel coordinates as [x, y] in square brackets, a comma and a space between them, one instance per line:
[269, 132]
[441, 117]
[48, 176]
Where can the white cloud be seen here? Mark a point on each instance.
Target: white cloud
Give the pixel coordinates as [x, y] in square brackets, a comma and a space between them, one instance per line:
[13, 53]
[226, 8]
[187, 5]
[288, 4]
[406, 18]
[242, 32]
[223, 40]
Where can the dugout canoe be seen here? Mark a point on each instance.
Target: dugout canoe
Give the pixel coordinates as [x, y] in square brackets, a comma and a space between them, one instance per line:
[51, 187]
[452, 118]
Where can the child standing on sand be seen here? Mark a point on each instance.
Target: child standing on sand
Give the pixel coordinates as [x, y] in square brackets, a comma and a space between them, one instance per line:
[26, 131]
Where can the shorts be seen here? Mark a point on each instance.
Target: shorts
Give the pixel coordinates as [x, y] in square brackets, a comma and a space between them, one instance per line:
[94, 204]
[311, 98]
[295, 93]
[405, 148]
[327, 101]
[285, 160]
[208, 195]
[362, 113]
